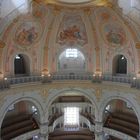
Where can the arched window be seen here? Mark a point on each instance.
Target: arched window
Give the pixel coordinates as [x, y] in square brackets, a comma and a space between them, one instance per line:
[71, 116]
[71, 60]
[21, 65]
[119, 65]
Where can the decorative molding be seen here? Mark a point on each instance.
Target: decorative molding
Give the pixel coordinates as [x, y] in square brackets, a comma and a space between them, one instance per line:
[98, 94]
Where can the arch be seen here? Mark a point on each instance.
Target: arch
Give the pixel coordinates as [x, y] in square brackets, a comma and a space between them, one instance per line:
[130, 65]
[21, 65]
[106, 101]
[80, 50]
[15, 99]
[28, 62]
[119, 65]
[71, 60]
[67, 91]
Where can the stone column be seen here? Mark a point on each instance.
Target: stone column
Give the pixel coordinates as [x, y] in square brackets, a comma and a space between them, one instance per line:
[43, 135]
[99, 134]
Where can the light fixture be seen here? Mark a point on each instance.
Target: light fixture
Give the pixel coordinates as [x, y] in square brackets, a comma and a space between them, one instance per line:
[36, 137]
[122, 57]
[134, 78]
[5, 78]
[17, 57]
[49, 75]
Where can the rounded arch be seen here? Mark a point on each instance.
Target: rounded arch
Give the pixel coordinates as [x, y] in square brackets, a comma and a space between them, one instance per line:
[119, 65]
[27, 62]
[71, 60]
[57, 93]
[110, 98]
[80, 61]
[15, 99]
[130, 65]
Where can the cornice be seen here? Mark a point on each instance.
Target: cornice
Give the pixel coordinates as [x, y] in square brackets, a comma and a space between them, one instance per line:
[75, 5]
[69, 84]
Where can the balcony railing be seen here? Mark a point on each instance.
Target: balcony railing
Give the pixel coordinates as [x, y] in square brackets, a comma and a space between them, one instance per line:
[132, 81]
[120, 79]
[26, 79]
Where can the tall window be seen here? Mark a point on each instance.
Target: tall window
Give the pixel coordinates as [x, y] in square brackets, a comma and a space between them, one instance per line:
[73, 53]
[71, 60]
[19, 65]
[120, 65]
[71, 116]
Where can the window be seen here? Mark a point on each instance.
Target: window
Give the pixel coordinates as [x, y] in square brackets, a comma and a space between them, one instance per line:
[71, 116]
[11, 107]
[17, 57]
[71, 53]
[36, 137]
[119, 65]
[107, 109]
[21, 5]
[34, 109]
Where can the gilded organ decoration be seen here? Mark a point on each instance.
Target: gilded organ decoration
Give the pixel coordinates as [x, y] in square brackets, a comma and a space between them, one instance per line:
[27, 33]
[114, 34]
[72, 30]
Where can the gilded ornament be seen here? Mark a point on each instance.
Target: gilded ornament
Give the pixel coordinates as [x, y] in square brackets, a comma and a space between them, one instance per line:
[97, 49]
[37, 1]
[57, 10]
[105, 16]
[87, 11]
[38, 14]
[45, 72]
[44, 93]
[2, 44]
[92, 2]
[138, 45]
[98, 94]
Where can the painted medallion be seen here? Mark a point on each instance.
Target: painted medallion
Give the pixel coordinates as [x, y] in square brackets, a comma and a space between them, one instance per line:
[27, 33]
[114, 34]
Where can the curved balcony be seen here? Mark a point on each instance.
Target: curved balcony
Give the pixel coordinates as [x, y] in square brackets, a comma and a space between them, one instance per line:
[131, 81]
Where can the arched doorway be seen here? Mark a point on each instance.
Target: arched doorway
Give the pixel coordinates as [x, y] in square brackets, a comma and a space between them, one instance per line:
[70, 117]
[20, 118]
[71, 60]
[119, 116]
[21, 65]
[119, 66]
